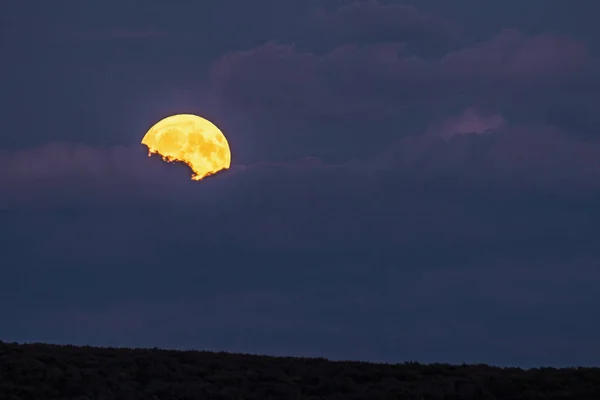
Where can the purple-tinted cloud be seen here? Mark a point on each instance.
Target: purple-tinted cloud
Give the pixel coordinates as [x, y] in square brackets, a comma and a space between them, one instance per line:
[511, 55]
[471, 121]
[353, 88]
[309, 204]
[378, 81]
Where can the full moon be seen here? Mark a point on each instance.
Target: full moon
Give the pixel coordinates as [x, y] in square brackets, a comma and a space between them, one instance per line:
[192, 140]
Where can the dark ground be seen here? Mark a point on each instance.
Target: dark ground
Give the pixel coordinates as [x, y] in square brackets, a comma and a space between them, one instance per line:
[42, 371]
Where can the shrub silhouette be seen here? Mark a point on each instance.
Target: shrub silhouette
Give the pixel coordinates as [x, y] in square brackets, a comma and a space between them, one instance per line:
[39, 371]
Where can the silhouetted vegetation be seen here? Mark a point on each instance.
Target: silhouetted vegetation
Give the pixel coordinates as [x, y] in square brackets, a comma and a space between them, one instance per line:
[42, 371]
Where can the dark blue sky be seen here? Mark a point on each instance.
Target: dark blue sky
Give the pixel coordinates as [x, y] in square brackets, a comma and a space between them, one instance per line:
[410, 181]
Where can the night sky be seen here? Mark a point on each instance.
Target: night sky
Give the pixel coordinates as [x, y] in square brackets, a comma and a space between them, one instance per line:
[415, 180]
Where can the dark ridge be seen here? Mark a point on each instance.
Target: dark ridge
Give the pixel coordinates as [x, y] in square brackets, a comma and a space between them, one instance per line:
[44, 371]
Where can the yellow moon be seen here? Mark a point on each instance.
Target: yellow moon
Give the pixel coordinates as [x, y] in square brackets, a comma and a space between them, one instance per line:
[192, 140]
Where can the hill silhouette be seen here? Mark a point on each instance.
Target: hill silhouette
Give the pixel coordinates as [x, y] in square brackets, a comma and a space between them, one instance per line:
[43, 371]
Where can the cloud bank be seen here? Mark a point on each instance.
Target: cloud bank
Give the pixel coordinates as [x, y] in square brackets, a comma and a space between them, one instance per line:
[442, 195]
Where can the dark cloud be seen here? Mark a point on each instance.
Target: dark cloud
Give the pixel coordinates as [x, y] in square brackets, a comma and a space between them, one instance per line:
[504, 312]
[351, 88]
[308, 204]
[488, 147]
[380, 78]
[470, 121]
[510, 55]
[381, 192]
[578, 117]
[441, 247]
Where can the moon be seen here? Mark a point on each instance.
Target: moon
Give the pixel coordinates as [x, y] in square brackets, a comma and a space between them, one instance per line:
[192, 140]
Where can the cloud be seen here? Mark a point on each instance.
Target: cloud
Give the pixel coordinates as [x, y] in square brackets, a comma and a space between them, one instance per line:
[472, 146]
[488, 148]
[467, 180]
[396, 188]
[95, 175]
[435, 251]
[353, 88]
[470, 121]
[339, 83]
[511, 54]
[427, 193]
[111, 175]
[502, 311]
[353, 78]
